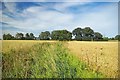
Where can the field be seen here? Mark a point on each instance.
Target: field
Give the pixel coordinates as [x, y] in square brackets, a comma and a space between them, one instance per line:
[100, 56]
[54, 59]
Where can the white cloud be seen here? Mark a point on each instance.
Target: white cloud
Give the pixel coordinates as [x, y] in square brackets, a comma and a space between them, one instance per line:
[63, 6]
[11, 7]
[39, 18]
[104, 20]
[60, 0]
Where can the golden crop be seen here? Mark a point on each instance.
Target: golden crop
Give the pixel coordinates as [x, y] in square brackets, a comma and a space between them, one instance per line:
[99, 56]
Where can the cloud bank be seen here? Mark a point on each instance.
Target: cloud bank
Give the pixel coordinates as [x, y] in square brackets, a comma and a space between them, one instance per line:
[36, 17]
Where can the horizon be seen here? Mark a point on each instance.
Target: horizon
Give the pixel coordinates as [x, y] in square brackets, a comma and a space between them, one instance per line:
[36, 17]
[51, 32]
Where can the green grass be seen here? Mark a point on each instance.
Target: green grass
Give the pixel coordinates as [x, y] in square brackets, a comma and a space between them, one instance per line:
[45, 60]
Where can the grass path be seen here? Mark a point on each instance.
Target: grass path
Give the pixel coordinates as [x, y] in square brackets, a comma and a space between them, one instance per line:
[42, 60]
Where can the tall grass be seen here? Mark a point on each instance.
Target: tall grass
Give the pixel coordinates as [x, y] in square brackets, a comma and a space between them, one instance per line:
[44, 60]
[100, 56]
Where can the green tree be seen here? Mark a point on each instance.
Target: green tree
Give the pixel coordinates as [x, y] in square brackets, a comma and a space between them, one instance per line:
[112, 38]
[77, 33]
[117, 37]
[27, 36]
[97, 36]
[61, 35]
[44, 35]
[8, 37]
[88, 34]
[105, 38]
[32, 37]
[19, 36]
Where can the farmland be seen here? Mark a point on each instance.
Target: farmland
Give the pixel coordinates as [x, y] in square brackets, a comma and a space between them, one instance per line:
[55, 59]
[100, 56]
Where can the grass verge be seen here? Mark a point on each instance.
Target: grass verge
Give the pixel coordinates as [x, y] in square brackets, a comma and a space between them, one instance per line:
[44, 60]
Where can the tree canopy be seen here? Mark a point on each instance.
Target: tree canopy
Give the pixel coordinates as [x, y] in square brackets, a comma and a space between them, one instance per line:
[44, 35]
[83, 34]
[79, 34]
[61, 35]
[19, 36]
[97, 36]
[8, 37]
[117, 37]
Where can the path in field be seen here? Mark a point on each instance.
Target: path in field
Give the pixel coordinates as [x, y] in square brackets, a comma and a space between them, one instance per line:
[100, 56]
[34, 59]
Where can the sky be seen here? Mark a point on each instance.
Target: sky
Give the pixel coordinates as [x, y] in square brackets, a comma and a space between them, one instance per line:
[36, 17]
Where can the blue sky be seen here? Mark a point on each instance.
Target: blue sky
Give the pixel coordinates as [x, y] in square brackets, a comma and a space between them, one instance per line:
[41, 16]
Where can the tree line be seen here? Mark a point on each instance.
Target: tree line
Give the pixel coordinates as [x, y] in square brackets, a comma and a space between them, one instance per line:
[79, 34]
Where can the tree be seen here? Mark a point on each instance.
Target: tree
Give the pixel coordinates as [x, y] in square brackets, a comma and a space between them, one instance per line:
[32, 37]
[77, 33]
[44, 35]
[117, 37]
[112, 38]
[88, 33]
[27, 36]
[19, 36]
[61, 35]
[105, 38]
[7, 37]
[97, 36]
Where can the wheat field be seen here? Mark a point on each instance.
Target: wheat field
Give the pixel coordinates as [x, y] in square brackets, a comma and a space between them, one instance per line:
[101, 58]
